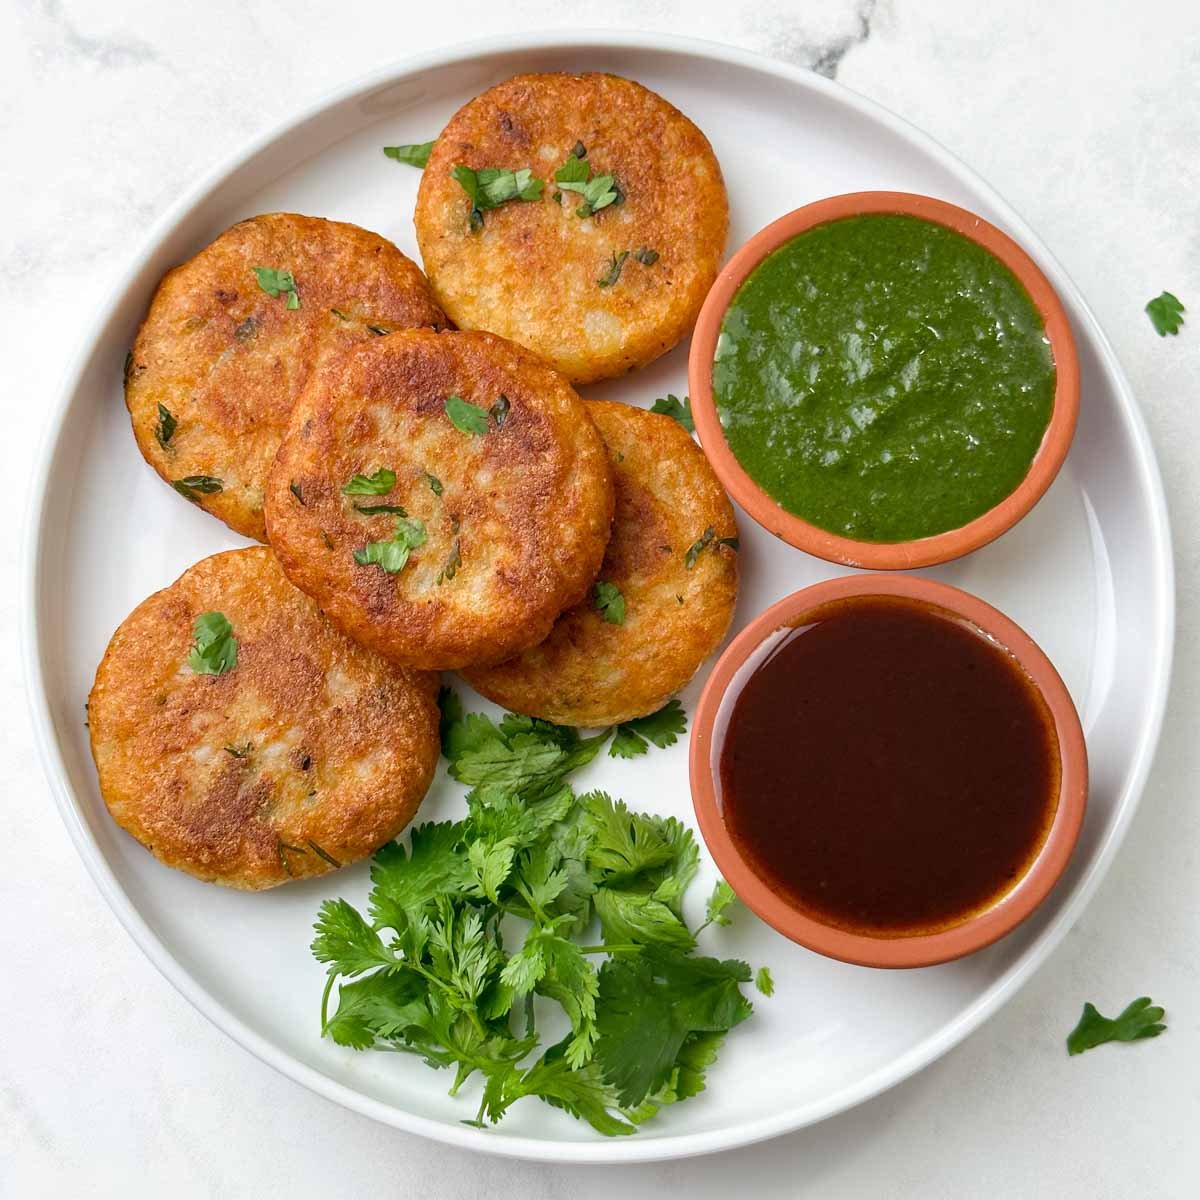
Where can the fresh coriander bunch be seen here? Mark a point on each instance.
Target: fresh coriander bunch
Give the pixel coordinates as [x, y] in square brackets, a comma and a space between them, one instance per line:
[438, 971]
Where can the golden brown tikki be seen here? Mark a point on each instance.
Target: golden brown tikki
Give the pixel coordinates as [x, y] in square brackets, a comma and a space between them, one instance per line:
[232, 336]
[580, 215]
[243, 739]
[664, 597]
[442, 496]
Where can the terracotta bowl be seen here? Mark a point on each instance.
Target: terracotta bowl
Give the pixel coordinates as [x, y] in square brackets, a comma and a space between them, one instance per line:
[742, 657]
[886, 556]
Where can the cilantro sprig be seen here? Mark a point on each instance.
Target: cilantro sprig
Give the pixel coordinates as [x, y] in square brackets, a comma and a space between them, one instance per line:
[662, 728]
[1139, 1020]
[428, 971]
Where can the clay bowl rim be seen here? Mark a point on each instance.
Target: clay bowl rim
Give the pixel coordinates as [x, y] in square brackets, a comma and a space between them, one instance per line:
[977, 931]
[921, 552]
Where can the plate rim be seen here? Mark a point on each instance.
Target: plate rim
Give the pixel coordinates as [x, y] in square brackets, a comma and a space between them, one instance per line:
[642, 1148]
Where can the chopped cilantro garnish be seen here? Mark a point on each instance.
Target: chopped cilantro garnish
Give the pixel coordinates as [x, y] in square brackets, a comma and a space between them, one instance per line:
[1166, 313]
[678, 410]
[165, 429]
[214, 648]
[1139, 1020]
[575, 175]
[490, 187]
[453, 562]
[500, 410]
[193, 486]
[646, 256]
[378, 484]
[613, 273]
[608, 602]
[415, 154]
[392, 555]
[278, 283]
[466, 417]
[706, 539]
[435, 484]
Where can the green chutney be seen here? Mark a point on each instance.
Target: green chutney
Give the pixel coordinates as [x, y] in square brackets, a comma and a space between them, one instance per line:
[884, 378]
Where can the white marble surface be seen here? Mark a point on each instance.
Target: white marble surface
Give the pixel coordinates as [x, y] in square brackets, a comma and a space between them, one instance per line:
[1086, 116]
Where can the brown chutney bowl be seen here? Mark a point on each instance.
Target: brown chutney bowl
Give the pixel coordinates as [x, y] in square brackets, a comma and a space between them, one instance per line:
[976, 930]
[921, 552]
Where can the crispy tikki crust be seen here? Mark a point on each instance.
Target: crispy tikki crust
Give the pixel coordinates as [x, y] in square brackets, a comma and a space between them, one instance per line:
[677, 575]
[507, 520]
[218, 362]
[597, 294]
[310, 753]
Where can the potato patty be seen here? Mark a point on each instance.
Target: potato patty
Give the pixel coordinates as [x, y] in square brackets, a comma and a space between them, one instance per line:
[310, 753]
[496, 494]
[597, 294]
[676, 575]
[218, 362]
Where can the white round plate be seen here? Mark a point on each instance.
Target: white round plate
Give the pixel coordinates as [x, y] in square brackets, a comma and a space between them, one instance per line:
[1088, 573]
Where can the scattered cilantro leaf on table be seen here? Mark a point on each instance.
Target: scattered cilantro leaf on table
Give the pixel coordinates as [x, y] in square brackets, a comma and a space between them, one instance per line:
[1166, 314]
[429, 971]
[1139, 1020]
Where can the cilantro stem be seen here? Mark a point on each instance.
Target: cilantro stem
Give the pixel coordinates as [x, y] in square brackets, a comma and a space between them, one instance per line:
[613, 948]
[325, 1002]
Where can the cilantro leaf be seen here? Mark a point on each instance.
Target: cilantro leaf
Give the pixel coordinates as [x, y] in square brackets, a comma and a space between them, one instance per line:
[763, 981]
[676, 409]
[1166, 314]
[383, 1005]
[490, 187]
[610, 277]
[393, 555]
[649, 1004]
[722, 898]
[278, 283]
[608, 602]
[165, 429]
[706, 539]
[598, 191]
[435, 484]
[194, 486]
[1139, 1020]
[466, 417]
[346, 942]
[415, 154]
[378, 484]
[214, 648]
[662, 728]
